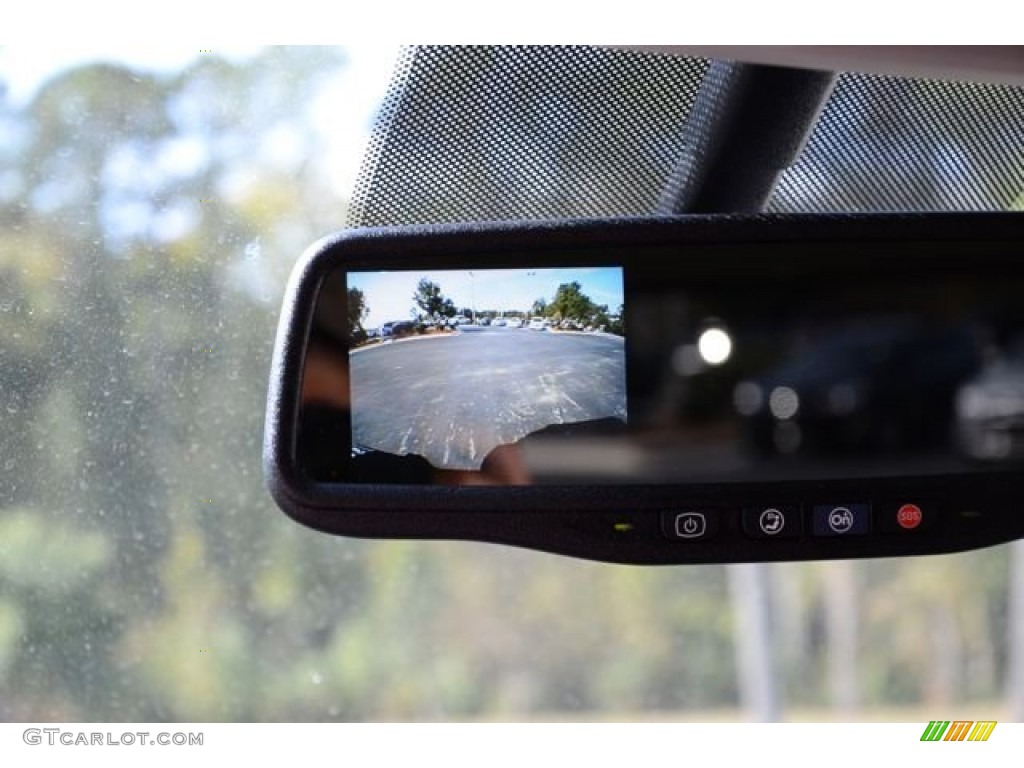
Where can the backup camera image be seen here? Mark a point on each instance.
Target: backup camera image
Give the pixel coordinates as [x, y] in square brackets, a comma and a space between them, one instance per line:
[450, 364]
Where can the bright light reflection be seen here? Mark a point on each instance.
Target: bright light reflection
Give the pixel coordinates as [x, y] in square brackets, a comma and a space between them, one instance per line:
[714, 346]
[783, 403]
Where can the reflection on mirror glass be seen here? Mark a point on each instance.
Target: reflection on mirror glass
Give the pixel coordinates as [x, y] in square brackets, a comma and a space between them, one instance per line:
[601, 374]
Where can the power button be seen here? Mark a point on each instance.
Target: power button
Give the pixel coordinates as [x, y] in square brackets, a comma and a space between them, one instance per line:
[689, 524]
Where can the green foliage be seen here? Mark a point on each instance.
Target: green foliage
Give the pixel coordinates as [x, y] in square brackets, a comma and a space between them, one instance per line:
[37, 553]
[434, 306]
[357, 312]
[12, 625]
[571, 305]
[617, 322]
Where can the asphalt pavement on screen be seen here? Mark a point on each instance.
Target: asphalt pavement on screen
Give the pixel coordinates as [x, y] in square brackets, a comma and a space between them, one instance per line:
[453, 398]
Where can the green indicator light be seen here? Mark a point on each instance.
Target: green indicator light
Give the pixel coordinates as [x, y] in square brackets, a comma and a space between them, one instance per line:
[623, 527]
[971, 513]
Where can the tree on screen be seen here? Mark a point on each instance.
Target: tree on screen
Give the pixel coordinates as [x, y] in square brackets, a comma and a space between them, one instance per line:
[434, 307]
[570, 303]
[357, 312]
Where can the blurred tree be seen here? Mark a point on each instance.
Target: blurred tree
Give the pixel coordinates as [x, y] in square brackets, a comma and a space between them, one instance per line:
[760, 693]
[147, 224]
[357, 312]
[842, 619]
[570, 303]
[617, 322]
[1015, 631]
[434, 306]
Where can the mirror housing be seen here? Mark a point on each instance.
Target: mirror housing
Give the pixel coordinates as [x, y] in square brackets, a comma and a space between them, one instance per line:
[956, 276]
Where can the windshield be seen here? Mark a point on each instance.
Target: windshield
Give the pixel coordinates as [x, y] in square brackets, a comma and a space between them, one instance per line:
[150, 212]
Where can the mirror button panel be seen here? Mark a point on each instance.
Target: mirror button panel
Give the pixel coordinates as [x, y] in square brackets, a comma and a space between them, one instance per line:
[767, 521]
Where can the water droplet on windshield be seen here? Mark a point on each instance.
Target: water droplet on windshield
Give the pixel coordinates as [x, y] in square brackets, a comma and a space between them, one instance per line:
[252, 250]
[317, 678]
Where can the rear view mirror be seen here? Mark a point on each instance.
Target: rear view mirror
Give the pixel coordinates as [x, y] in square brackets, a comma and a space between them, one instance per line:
[671, 390]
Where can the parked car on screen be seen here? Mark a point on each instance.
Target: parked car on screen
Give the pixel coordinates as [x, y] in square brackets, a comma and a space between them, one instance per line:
[397, 329]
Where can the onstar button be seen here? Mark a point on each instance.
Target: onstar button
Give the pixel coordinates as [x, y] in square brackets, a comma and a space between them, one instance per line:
[841, 519]
[909, 516]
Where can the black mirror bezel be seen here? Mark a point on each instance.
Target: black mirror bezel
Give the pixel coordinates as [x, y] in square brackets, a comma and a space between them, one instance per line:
[624, 523]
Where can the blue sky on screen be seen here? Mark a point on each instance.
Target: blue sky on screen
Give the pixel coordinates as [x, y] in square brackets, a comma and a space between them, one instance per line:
[389, 294]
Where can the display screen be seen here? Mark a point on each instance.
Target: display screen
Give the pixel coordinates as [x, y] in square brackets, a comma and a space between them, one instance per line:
[605, 374]
[451, 365]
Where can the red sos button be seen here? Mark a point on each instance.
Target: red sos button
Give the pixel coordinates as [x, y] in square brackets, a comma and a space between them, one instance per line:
[909, 516]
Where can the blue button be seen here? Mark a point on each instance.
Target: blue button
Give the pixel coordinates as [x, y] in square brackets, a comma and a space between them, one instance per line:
[841, 519]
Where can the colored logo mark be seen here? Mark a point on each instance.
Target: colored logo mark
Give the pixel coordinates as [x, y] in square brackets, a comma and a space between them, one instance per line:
[958, 730]
[909, 516]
